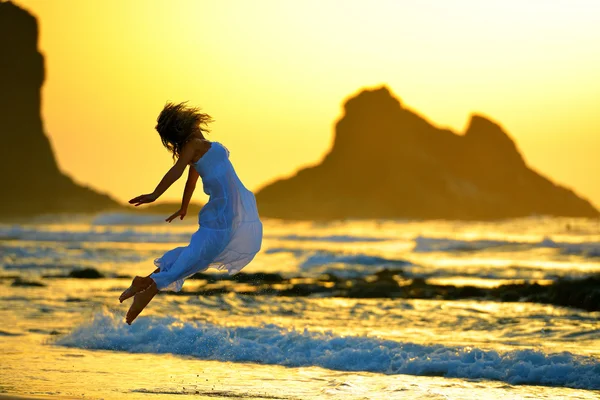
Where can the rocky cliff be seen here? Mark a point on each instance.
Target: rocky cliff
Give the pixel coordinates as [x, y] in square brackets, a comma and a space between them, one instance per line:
[388, 162]
[31, 180]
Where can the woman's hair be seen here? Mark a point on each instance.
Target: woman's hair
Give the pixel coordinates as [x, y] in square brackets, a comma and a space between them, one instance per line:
[175, 124]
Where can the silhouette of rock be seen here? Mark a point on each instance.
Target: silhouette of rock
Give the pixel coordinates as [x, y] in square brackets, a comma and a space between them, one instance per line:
[19, 282]
[582, 293]
[389, 162]
[31, 180]
[85, 273]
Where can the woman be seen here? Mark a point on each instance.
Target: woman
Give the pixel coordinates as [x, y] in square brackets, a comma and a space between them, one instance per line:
[230, 231]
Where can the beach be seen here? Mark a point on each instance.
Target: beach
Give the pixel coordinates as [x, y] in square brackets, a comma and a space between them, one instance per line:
[324, 311]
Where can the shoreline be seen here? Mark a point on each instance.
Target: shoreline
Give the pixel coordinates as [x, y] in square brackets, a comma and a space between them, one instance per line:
[7, 396]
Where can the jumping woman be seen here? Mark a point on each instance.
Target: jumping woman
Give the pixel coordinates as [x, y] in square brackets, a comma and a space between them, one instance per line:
[230, 231]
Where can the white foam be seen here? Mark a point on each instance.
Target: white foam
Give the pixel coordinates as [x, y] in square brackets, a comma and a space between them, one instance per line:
[588, 249]
[91, 234]
[331, 238]
[124, 218]
[133, 217]
[321, 258]
[339, 263]
[348, 265]
[270, 344]
[429, 244]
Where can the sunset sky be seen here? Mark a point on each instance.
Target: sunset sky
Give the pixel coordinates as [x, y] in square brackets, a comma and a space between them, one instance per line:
[274, 74]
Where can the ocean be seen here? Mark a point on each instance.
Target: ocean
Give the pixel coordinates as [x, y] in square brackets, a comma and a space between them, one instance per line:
[354, 309]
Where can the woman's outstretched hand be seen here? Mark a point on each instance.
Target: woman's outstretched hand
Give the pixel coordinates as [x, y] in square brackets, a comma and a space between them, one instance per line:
[142, 199]
[179, 213]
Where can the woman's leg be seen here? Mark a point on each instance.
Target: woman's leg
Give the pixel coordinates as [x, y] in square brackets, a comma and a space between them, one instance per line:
[204, 247]
[140, 301]
[139, 284]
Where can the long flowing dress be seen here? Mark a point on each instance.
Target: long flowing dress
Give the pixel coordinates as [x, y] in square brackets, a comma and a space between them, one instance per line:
[230, 231]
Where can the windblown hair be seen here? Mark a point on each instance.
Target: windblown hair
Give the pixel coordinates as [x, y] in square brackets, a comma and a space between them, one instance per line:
[176, 123]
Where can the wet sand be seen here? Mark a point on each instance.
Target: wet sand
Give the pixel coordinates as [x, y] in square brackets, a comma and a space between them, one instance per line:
[17, 397]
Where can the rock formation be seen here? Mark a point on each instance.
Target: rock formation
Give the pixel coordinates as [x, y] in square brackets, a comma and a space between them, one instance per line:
[31, 180]
[388, 162]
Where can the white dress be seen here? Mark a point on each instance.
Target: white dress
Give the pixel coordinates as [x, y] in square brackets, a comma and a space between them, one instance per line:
[230, 232]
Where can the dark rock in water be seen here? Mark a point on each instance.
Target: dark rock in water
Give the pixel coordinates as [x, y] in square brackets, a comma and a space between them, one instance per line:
[375, 289]
[7, 333]
[210, 278]
[37, 185]
[329, 278]
[388, 274]
[86, 273]
[465, 292]
[581, 293]
[509, 295]
[419, 282]
[74, 300]
[389, 162]
[212, 291]
[20, 282]
[258, 278]
[303, 289]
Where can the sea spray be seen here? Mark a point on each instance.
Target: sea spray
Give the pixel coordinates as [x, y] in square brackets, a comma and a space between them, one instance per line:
[271, 344]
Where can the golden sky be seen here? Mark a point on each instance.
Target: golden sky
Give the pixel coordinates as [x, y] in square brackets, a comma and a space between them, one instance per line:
[274, 74]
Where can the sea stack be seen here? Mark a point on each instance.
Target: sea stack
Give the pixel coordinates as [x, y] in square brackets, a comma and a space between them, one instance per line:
[388, 162]
[32, 181]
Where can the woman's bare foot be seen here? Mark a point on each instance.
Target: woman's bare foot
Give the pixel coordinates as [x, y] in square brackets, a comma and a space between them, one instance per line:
[140, 301]
[139, 284]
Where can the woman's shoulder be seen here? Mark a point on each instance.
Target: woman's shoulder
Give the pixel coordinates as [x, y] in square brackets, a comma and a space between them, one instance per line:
[200, 147]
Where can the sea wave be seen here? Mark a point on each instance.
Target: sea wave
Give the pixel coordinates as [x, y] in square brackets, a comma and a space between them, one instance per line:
[127, 218]
[342, 264]
[330, 238]
[351, 265]
[52, 253]
[425, 244]
[271, 344]
[133, 217]
[321, 258]
[585, 249]
[91, 234]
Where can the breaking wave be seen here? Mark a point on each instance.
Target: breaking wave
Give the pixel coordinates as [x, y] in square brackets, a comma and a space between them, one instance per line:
[274, 345]
[94, 233]
[428, 244]
[332, 238]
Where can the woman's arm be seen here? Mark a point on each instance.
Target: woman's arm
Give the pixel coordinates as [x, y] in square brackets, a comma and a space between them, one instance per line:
[190, 185]
[186, 156]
